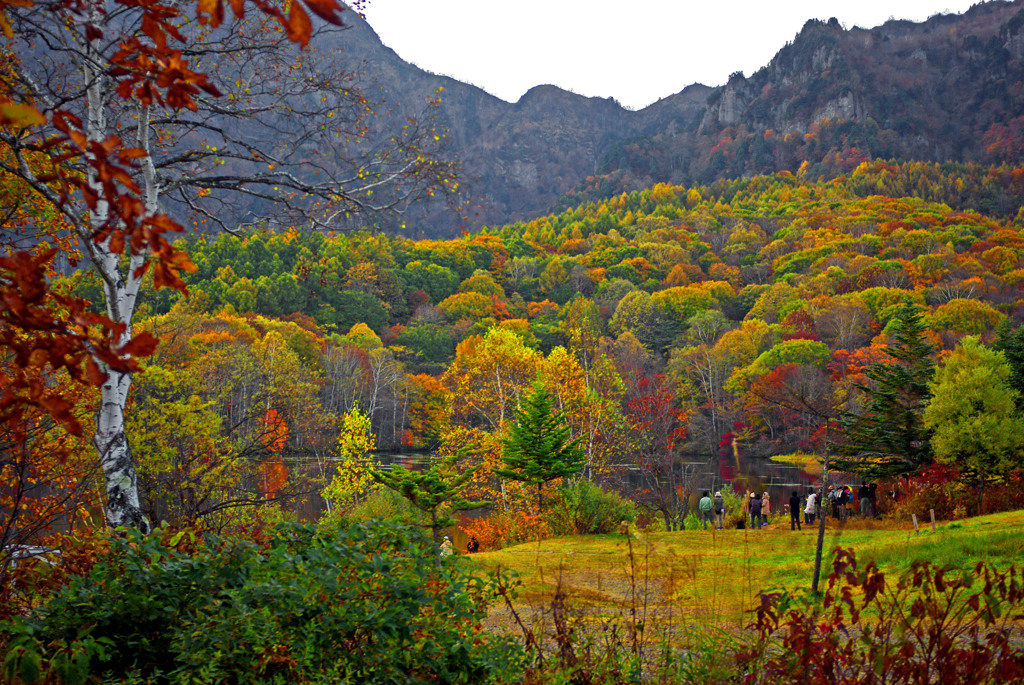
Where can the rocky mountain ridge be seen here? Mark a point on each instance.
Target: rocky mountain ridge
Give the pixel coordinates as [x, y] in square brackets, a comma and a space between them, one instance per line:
[934, 90]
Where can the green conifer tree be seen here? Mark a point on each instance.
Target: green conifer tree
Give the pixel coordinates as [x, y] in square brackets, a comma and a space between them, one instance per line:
[434, 490]
[538, 449]
[889, 437]
[1011, 344]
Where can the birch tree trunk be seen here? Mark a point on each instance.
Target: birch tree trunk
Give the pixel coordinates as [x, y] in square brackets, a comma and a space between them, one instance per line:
[120, 292]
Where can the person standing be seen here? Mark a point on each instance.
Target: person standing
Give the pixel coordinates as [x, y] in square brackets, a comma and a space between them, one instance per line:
[766, 508]
[842, 498]
[811, 509]
[719, 508]
[873, 497]
[755, 511]
[864, 495]
[705, 509]
[794, 511]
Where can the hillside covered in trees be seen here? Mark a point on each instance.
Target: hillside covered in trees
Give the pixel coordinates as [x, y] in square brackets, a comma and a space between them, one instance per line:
[656, 319]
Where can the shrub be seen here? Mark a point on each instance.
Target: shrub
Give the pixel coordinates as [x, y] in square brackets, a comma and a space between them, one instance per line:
[935, 624]
[692, 521]
[949, 493]
[733, 508]
[383, 504]
[365, 604]
[32, 580]
[1005, 496]
[586, 508]
[501, 528]
[950, 500]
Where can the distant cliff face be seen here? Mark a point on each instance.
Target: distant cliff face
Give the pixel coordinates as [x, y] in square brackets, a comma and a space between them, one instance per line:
[933, 90]
[518, 158]
[936, 72]
[947, 89]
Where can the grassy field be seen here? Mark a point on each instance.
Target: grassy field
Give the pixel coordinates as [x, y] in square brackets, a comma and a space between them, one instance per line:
[714, 577]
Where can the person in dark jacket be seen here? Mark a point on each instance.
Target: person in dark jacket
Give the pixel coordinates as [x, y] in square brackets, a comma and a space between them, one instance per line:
[864, 496]
[719, 503]
[755, 511]
[833, 501]
[794, 511]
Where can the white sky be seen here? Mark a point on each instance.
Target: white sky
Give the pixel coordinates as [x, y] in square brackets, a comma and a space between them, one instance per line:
[636, 51]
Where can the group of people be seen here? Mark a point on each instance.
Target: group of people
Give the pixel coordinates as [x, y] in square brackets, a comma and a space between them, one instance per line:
[757, 508]
[712, 510]
[839, 502]
[712, 507]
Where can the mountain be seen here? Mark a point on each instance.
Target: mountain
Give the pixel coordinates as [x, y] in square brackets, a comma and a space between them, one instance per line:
[950, 88]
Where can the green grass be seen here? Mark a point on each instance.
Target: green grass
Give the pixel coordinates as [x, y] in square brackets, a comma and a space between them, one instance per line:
[994, 539]
[716, 576]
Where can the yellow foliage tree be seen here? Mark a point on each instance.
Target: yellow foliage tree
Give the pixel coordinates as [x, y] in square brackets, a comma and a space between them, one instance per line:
[353, 478]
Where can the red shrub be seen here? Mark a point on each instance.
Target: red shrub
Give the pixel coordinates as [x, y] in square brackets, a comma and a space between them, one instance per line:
[934, 625]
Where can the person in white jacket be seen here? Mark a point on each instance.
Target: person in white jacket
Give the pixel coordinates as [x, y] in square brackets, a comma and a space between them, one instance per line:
[811, 508]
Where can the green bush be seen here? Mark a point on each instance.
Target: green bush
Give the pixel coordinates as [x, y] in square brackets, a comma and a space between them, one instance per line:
[366, 604]
[383, 504]
[692, 521]
[586, 508]
[733, 508]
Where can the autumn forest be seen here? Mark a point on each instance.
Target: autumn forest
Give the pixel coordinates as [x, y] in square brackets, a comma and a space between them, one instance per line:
[237, 437]
[664, 321]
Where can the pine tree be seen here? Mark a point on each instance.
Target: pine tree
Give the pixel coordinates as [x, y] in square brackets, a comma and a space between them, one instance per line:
[538, 449]
[889, 438]
[1011, 344]
[434, 490]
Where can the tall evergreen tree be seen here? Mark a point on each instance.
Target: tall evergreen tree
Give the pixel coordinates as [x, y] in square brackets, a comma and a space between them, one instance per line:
[889, 437]
[538, 449]
[1011, 344]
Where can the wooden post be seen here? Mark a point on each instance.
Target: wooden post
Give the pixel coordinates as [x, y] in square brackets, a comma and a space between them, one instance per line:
[917, 531]
[933, 519]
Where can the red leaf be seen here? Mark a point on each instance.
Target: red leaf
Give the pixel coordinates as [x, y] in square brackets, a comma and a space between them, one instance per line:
[328, 10]
[299, 27]
[94, 373]
[142, 345]
[214, 9]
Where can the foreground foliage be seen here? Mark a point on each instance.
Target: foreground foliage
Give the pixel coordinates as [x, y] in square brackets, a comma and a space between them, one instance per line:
[931, 623]
[363, 605]
[934, 624]
[366, 604]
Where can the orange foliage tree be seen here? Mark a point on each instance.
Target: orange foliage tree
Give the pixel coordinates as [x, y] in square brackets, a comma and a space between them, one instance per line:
[273, 472]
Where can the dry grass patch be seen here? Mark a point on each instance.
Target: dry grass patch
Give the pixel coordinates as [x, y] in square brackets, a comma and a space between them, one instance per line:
[715, 576]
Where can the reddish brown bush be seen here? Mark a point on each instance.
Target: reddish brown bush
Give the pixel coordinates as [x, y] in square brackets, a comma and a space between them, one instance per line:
[933, 625]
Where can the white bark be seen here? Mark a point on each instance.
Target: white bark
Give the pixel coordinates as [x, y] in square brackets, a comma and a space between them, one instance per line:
[120, 294]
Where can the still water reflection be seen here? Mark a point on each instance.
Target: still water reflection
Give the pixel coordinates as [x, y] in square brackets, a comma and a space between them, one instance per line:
[704, 472]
